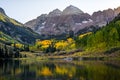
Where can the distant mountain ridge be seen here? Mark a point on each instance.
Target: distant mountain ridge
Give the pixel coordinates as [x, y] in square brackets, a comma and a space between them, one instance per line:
[70, 19]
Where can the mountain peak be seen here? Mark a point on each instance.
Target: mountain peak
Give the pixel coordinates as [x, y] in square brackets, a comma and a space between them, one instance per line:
[2, 11]
[71, 6]
[72, 10]
[117, 11]
[55, 12]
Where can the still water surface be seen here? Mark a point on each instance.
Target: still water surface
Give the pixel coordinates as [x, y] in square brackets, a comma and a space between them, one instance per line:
[58, 70]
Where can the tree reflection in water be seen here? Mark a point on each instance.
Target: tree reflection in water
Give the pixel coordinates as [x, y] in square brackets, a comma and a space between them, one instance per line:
[85, 70]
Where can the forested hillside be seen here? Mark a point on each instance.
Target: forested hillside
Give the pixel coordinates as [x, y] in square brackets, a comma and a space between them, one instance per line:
[14, 36]
[102, 40]
[16, 30]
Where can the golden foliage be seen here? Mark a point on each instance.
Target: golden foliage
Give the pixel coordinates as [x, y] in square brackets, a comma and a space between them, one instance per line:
[61, 70]
[61, 45]
[46, 72]
[58, 44]
[44, 42]
[70, 71]
[82, 35]
[18, 45]
[70, 40]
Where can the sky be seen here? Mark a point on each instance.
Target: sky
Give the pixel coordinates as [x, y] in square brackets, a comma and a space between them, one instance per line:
[25, 10]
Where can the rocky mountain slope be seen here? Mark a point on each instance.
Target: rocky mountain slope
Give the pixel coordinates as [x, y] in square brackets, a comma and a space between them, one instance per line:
[2, 11]
[106, 40]
[14, 30]
[70, 19]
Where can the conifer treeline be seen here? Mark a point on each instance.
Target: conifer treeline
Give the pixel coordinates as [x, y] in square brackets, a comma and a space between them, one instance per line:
[8, 51]
[105, 39]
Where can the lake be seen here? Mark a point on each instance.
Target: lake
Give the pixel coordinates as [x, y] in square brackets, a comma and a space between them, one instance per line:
[59, 70]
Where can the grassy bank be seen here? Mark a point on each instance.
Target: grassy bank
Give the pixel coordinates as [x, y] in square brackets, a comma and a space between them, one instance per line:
[76, 56]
